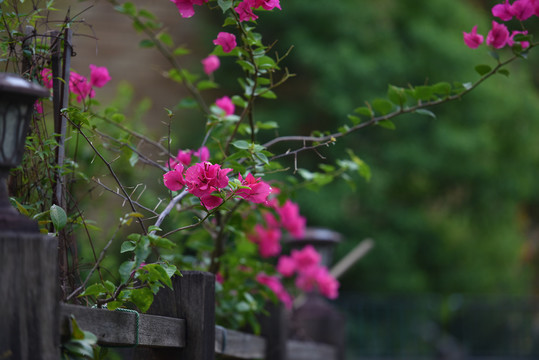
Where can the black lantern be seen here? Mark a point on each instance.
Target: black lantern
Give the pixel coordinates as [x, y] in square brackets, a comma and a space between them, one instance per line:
[17, 98]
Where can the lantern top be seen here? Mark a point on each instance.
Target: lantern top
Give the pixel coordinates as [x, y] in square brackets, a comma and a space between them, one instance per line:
[16, 85]
[316, 235]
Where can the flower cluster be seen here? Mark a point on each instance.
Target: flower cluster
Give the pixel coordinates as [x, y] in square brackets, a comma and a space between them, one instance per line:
[186, 7]
[78, 84]
[201, 180]
[246, 7]
[499, 35]
[311, 275]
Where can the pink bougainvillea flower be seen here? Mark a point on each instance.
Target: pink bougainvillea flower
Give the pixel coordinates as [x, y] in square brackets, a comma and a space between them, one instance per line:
[535, 6]
[245, 10]
[306, 258]
[327, 284]
[38, 107]
[291, 219]
[511, 40]
[211, 201]
[267, 4]
[497, 36]
[211, 63]
[174, 179]
[271, 221]
[226, 40]
[184, 157]
[286, 266]
[522, 9]
[186, 7]
[267, 239]
[275, 285]
[46, 75]
[99, 76]
[80, 86]
[204, 178]
[258, 190]
[473, 39]
[203, 154]
[226, 105]
[503, 11]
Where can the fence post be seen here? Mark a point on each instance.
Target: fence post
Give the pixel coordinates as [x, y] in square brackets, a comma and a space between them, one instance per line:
[29, 307]
[193, 299]
[274, 328]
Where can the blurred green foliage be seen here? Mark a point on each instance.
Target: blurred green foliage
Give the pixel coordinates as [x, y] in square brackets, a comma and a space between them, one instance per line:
[450, 200]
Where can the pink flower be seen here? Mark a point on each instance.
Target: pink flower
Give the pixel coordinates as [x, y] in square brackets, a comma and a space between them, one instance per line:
[38, 107]
[211, 201]
[268, 240]
[203, 154]
[245, 10]
[267, 4]
[306, 258]
[226, 105]
[275, 285]
[271, 221]
[498, 35]
[511, 41]
[184, 157]
[204, 178]
[291, 219]
[473, 39]
[522, 9]
[503, 11]
[327, 284]
[226, 40]
[46, 75]
[99, 76]
[211, 63]
[80, 86]
[258, 190]
[174, 179]
[286, 266]
[186, 7]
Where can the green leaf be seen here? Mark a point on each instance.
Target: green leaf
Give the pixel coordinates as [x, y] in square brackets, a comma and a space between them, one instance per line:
[426, 112]
[142, 298]
[188, 103]
[241, 144]
[423, 92]
[146, 43]
[128, 246]
[396, 95]
[181, 51]
[165, 39]
[225, 4]
[483, 69]
[382, 106]
[206, 84]
[58, 217]
[163, 243]
[94, 290]
[442, 88]
[239, 101]
[363, 110]
[125, 270]
[388, 124]
[354, 119]
[504, 72]
[133, 159]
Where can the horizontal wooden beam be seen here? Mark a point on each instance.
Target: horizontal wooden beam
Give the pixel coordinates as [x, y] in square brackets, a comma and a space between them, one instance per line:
[303, 350]
[239, 345]
[118, 328]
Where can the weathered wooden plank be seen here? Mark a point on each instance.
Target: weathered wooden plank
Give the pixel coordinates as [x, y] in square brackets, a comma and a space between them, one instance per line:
[117, 328]
[239, 345]
[302, 350]
[275, 330]
[29, 291]
[195, 302]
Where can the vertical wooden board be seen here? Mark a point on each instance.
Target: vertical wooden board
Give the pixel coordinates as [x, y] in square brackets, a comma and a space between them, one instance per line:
[195, 302]
[29, 307]
[275, 331]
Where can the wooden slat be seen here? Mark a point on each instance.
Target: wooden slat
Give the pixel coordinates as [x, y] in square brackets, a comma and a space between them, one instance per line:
[301, 350]
[117, 328]
[239, 345]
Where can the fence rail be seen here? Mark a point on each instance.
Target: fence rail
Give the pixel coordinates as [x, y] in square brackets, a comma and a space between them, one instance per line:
[180, 323]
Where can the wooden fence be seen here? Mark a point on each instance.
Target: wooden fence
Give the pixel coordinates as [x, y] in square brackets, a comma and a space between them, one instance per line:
[180, 324]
